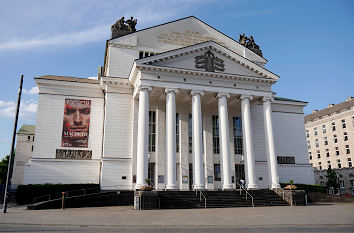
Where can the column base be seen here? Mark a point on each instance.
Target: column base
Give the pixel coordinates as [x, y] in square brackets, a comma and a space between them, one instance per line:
[171, 187]
[139, 186]
[199, 187]
[252, 186]
[227, 187]
[276, 186]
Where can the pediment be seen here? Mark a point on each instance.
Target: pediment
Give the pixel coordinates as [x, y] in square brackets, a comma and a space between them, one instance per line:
[207, 57]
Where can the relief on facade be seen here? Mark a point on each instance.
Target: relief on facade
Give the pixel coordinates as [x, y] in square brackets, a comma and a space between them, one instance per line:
[209, 62]
[73, 154]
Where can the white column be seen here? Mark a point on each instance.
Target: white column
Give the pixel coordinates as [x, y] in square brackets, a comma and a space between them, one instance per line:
[224, 141]
[268, 129]
[198, 178]
[143, 133]
[171, 182]
[248, 142]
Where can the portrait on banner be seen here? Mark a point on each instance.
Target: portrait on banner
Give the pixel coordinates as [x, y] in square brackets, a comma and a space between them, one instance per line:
[76, 123]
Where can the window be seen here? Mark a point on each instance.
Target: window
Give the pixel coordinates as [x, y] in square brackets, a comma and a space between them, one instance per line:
[352, 183]
[190, 140]
[28, 138]
[347, 149]
[152, 131]
[320, 165]
[32, 148]
[315, 130]
[333, 126]
[310, 155]
[286, 159]
[216, 143]
[324, 129]
[343, 124]
[350, 162]
[345, 136]
[33, 138]
[177, 132]
[335, 139]
[329, 164]
[337, 151]
[353, 121]
[307, 134]
[325, 141]
[341, 183]
[308, 145]
[143, 54]
[217, 173]
[316, 143]
[338, 163]
[327, 152]
[237, 127]
[322, 183]
[318, 154]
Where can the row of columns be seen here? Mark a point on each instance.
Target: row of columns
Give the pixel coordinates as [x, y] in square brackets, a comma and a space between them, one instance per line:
[225, 157]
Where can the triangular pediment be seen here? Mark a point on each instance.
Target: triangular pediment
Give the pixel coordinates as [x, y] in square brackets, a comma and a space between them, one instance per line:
[207, 57]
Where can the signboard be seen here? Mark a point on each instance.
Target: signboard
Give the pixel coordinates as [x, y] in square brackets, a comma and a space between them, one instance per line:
[73, 154]
[76, 123]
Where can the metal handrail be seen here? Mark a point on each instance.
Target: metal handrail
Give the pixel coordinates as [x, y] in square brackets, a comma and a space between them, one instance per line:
[59, 194]
[247, 193]
[200, 197]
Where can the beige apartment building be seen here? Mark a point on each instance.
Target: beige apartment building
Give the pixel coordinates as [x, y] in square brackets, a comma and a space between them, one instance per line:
[330, 141]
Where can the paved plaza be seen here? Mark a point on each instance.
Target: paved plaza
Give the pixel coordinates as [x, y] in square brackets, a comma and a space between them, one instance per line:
[313, 218]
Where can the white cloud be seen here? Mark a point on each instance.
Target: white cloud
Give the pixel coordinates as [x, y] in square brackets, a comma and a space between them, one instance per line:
[28, 108]
[33, 91]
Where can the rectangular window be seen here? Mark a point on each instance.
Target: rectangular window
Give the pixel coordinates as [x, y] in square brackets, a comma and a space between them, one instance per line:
[286, 159]
[315, 130]
[141, 54]
[32, 148]
[28, 138]
[190, 140]
[343, 124]
[345, 136]
[339, 164]
[237, 127]
[152, 131]
[324, 130]
[318, 154]
[310, 155]
[308, 145]
[177, 132]
[347, 149]
[316, 143]
[329, 164]
[349, 162]
[322, 183]
[327, 152]
[216, 143]
[333, 126]
[325, 141]
[335, 139]
[307, 134]
[352, 183]
[320, 166]
[341, 183]
[217, 173]
[337, 151]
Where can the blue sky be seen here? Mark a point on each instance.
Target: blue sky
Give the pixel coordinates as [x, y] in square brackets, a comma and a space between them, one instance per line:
[309, 44]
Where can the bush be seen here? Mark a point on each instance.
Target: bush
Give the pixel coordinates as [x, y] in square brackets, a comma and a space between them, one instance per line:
[308, 187]
[25, 194]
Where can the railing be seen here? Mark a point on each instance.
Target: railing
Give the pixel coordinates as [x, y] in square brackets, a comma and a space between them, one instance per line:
[71, 193]
[282, 193]
[246, 192]
[200, 197]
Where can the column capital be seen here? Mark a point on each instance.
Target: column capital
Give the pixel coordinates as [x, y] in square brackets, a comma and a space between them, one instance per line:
[196, 92]
[167, 90]
[246, 97]
[148, 88]
[221, 94]
[267, 98]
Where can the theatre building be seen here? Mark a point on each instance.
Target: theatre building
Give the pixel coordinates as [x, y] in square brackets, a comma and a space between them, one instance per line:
[179, 103]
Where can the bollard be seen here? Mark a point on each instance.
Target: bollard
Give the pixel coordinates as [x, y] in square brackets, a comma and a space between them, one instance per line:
[63, 200]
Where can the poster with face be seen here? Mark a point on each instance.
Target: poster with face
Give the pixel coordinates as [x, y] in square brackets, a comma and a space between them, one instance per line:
[76, 123]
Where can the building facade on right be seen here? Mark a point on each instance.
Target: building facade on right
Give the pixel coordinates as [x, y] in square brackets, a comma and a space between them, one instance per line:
[330, 142]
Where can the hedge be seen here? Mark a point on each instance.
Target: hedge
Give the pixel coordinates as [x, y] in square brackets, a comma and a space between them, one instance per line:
[308, 187]
[25, 194]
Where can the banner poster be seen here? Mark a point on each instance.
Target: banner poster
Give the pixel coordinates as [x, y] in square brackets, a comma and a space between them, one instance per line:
[76, 123]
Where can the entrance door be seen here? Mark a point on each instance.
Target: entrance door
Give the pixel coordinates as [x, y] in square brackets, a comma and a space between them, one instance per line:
[190, 176]
[151, 174]
[239, 172]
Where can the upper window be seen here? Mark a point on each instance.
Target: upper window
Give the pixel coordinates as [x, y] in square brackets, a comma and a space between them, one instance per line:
[308, 145]
[333, 126]
[317, 143]
[307, 134]
[237, 127]
[325, 140]
[345, 136]
[217, 172]
[152, 131]
[349, 162]
[315, 130]
[337, 151]
[318, 154]
[216, 143]
[343, 124]
[335, 139]
[324, 130]
[347, 149]
[310, 155]
[327, 152]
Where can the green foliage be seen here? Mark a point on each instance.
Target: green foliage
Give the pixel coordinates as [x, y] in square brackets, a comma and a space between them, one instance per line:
[332, 180]
[25, 194]
[291, 181]
[308, 187]
[4, 163]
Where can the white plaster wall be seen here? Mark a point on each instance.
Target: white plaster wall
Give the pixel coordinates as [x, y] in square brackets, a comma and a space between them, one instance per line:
[303, 174]
[120, 61]
[23, 153]
[113, 173]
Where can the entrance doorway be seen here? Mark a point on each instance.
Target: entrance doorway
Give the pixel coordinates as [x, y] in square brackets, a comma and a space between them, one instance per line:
[190, 176]
[239, 172]
[151, 174]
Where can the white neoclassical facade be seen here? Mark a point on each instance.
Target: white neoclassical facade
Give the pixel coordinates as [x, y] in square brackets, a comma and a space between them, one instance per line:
[179, 103]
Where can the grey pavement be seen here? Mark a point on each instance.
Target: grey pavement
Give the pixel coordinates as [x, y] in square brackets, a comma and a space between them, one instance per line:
[314, 218]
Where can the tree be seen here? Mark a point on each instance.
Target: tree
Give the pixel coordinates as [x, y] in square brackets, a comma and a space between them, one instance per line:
[332, 180]
[4, 163]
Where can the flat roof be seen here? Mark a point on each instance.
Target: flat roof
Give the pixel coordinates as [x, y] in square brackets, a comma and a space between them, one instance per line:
[68, 79]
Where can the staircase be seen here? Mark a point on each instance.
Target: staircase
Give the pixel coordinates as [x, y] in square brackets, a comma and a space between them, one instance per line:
[218, 199]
